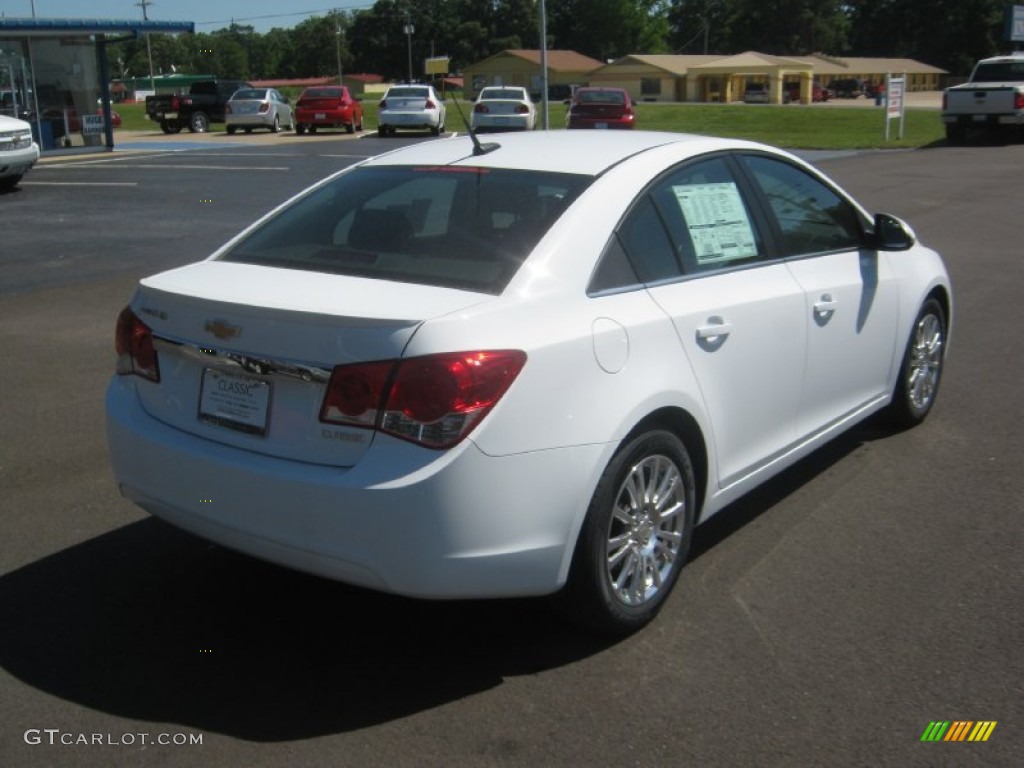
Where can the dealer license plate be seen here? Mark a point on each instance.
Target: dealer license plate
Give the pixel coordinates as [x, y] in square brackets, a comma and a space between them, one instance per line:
[235, 401]
[320, 116]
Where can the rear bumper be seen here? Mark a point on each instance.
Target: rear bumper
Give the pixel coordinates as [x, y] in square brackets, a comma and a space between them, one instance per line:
[455, 524]
[1011, 118]
[408, 120]
[264, 120]
[310, 117]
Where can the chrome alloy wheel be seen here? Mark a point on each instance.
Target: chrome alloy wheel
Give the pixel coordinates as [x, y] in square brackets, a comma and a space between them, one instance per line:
[645, 533]
[925, 362]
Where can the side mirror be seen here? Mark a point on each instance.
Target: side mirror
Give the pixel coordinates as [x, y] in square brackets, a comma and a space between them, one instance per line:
[891, 234]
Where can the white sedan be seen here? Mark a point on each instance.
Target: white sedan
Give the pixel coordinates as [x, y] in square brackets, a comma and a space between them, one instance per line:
[503, 108]
[520, 368]
[415, 107]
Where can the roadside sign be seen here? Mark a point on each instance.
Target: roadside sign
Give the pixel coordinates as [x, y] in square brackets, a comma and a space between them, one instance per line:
[894, 102]
[92, 124]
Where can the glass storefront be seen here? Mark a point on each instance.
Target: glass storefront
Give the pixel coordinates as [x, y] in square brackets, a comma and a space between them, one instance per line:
[63, 100]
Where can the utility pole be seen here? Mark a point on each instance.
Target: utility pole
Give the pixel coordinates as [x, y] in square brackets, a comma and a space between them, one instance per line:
[144, 4]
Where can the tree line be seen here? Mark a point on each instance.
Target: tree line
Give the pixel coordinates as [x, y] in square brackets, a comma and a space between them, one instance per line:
[382, 39]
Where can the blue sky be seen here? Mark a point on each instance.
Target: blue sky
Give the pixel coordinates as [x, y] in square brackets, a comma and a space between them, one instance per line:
[207, 14]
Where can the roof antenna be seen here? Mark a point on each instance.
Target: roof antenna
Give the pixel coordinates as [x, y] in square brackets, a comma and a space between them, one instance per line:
[478, 148]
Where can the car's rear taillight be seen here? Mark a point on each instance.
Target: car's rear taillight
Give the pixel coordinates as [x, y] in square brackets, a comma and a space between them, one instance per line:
[175, 102]
[433, 401]
[945, 100]
[428, 104]
[133, 341]
[383, 104]
[1018, 101]
[264, 107]
[482, 108]
[227, 108]
[522, 109]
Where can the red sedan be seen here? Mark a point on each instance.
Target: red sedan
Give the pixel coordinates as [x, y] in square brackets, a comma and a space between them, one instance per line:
[593, 107]
[328, 106]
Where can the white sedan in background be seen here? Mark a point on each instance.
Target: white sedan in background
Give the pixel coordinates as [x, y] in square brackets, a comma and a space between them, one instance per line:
[413, 107]
[528, 367]
[503, 108]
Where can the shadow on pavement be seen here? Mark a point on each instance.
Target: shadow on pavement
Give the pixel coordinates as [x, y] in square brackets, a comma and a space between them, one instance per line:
[152, 624]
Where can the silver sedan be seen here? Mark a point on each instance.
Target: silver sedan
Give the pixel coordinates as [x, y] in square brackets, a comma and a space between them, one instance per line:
[250, 108]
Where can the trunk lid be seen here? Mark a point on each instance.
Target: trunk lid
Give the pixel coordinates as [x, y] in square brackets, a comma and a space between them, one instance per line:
[245, 352]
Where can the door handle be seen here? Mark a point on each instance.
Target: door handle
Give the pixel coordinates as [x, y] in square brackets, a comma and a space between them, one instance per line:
[716, 327]
[825, 304]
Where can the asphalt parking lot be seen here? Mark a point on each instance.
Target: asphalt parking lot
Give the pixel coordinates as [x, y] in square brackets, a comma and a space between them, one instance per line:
[825, 620]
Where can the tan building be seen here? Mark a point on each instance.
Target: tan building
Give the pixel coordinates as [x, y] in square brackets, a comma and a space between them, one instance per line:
[522, 67]
[719, 78]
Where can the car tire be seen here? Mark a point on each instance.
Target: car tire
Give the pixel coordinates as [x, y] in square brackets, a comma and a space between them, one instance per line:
[300, 128]
[199, 122]
[359, 125]
[382, 131]
[170, 126]
[350, 127]
[275, 127]
[956, 134]
[231, 130]
[247, 131]
[921, 370]
[635, 537]
[7, 183]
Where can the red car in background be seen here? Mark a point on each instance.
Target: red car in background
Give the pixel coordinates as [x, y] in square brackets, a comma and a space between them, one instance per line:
[328, 106]
[594, 107]
[818, 92]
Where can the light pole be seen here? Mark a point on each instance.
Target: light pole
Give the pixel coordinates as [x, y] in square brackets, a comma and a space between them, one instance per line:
[409, 29]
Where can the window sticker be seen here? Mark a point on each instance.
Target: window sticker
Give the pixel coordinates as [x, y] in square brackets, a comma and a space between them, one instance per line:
[717, 221]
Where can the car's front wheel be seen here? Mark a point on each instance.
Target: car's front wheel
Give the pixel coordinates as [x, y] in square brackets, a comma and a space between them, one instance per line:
[636, 535]
[921, 370]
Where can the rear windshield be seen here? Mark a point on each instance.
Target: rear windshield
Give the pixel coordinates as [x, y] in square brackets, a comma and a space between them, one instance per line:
[411, 93]
[601, 97]
[248, 93]
[322, 93]
[502, 93]
[452, 227]
[999, 72]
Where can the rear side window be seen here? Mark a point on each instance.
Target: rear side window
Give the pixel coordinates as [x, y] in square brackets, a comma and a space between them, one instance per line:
[453, 227]
[694, 219]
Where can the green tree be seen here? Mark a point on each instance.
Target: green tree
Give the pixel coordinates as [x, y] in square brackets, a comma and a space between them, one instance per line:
[951, 34]
[607, 29]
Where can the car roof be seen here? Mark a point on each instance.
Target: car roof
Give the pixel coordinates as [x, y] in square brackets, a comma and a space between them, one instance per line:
[584, 152]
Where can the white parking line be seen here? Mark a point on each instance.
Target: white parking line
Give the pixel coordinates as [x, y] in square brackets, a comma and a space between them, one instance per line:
[80, 183]
[154, 166]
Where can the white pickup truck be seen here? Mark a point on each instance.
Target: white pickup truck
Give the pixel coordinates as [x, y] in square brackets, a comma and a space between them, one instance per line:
[992, 98]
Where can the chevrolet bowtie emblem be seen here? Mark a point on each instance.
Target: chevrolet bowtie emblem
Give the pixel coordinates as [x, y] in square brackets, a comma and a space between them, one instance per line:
[222, 329]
